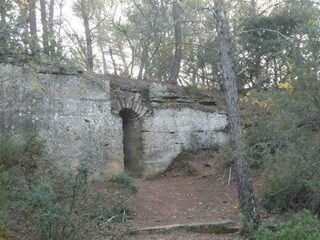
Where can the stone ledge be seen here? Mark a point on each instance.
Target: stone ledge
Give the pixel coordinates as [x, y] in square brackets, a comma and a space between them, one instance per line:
[224, 227]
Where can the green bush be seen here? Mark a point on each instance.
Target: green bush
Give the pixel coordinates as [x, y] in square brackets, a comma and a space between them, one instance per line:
[307, 228]
[124, 181]
[285, 142]
[293, 182]
[44, 201]
[11, 153]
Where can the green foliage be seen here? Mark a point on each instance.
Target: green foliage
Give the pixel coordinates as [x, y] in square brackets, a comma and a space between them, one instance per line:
[4, 183]
[11, 153]
[285, 141]
[44, 201]
[124, 181]
[307, 228]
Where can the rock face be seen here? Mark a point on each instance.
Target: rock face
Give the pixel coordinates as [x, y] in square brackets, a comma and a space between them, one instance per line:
[137, 128]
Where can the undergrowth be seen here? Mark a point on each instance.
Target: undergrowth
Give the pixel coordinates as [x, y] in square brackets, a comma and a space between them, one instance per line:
[44, 201]
[306, 228]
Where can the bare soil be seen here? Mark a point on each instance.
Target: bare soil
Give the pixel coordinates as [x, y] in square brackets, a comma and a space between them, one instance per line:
[195, 190]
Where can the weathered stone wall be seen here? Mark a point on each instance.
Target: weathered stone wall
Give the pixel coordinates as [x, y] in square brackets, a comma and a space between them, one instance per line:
[78, 115]
[170, 131]
[71, 112]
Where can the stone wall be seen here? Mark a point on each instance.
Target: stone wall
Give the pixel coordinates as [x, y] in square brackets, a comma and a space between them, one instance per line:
[173, 120]
[71, 112]
[78, 116]
[170, 131]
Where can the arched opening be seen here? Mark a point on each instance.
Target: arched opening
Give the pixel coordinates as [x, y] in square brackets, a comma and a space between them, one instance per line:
[132, 142]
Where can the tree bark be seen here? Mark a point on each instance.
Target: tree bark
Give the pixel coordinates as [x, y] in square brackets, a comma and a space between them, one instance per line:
[144, 58]
[51, 15]
[245, 190]
[33, 27]
[89, 41]
[113, 61]
[52, 38]
[104, 61]
[3, 11]
[45, 30]
[3, 27]
[123, 58]
[175, 66]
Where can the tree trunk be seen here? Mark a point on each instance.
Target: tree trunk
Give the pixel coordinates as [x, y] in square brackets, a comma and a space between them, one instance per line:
[113, 61]
[33, 27]
[123, 58]
[52, 38]
[104, 61]
[144, 57]
[245, 190]
[23, 9]
[89, 42]
[51, 15]
[45, 30]
[175, 66]
[3, 14]
[3, 28]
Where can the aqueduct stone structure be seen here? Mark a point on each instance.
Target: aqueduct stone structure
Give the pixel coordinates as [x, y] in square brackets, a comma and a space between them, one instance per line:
[107, 123]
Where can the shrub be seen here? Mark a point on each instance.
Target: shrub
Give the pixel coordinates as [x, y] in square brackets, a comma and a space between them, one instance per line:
[124, 181]
[45, 201]
[293, 182]
[307, 228]
[285, 142]
[11, 153]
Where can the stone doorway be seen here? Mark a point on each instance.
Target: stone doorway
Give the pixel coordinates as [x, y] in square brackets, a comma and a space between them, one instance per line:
[132, 142]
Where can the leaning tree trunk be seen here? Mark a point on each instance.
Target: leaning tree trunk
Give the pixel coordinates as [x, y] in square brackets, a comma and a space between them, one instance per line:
[245, 190]
[175, 66]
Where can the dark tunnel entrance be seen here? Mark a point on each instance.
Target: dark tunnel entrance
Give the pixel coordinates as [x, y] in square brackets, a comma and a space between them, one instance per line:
[132, 142]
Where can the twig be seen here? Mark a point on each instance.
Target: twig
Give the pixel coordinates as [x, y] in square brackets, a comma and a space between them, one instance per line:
[267, 30]
[229, 178]
[110, 219]
[208, 175]
[222, 178]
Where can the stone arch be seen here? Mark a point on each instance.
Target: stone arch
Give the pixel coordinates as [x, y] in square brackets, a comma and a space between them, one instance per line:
[133, 102]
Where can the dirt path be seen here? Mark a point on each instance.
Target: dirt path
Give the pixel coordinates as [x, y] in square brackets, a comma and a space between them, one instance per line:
[172, 199]
[169, 200]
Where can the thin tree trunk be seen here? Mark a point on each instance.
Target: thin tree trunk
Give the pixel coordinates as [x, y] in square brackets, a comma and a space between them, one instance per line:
[58, 48]
[100, 45]
[3, 27]
[33, 27]
[245, 190]
[123, 58]
[113, 61]
[143, 62]
[104, 62]
[175, 66]
[52, 38]
[23, 8]
[45, 30]
[51, 15]
[3, 11]
[89, 42]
